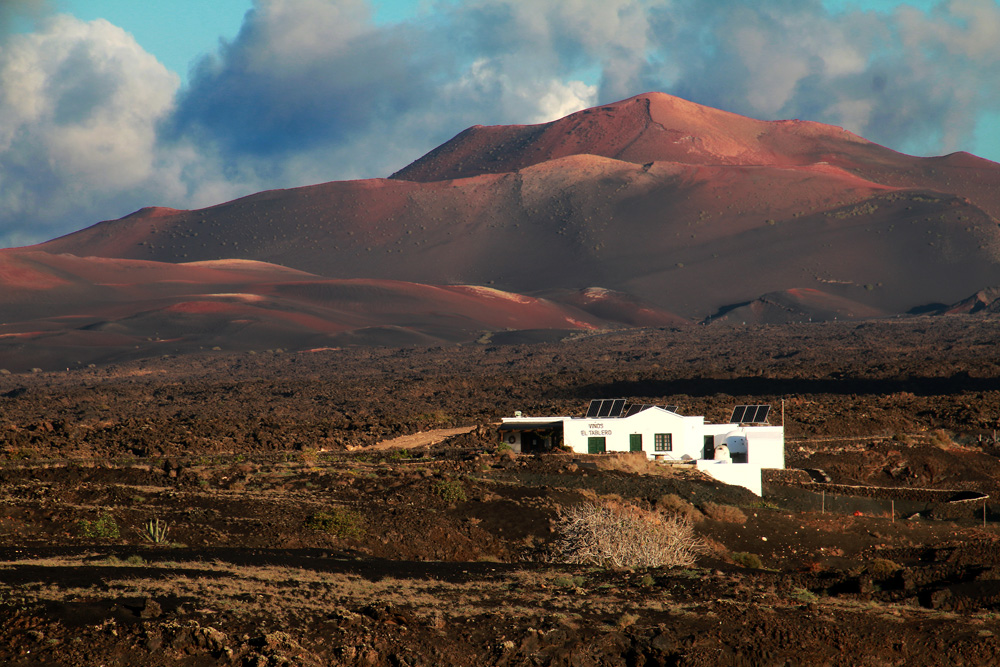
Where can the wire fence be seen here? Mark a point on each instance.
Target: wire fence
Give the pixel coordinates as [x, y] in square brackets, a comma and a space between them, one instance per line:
[888, 503]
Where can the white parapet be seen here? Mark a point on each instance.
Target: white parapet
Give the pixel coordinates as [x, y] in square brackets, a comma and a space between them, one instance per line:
[746, 475]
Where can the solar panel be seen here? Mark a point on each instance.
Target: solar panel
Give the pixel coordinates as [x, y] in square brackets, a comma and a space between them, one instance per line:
[595, 406]
[617, 405]
[606, 406]
[750, 414]
[669, 408]
[761, 416]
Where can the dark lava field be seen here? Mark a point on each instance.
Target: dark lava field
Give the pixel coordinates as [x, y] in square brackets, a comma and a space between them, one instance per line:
[233, 508]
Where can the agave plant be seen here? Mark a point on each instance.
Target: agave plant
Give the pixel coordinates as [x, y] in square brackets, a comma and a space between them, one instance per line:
[155, 531]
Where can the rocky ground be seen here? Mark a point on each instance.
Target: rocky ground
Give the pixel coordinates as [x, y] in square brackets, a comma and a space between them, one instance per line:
[233, 509]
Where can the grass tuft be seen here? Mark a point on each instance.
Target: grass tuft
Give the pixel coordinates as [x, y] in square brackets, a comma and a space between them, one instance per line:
[338, 522]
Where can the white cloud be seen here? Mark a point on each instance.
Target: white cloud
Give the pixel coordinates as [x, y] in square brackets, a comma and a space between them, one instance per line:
[92, 127]
[79, 108]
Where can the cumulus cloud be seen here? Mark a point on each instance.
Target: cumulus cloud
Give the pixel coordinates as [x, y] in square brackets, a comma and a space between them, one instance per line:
[92, 127]
[912, 80]
[79, 107]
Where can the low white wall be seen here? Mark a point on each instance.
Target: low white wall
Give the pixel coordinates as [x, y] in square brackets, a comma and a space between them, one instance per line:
[738, 474]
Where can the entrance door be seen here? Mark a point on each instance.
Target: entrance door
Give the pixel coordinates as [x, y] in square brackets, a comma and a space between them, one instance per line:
[635, 442]
[709, 447]
[596, 445]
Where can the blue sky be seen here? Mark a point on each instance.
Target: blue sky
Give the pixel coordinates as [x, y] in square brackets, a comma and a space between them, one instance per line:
[107, 106]
[180, 31]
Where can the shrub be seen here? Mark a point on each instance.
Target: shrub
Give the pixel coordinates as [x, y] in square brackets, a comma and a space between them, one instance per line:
[155, 531]
[940, 438]
[104, 527]
[337, 522]
[803, 595]
[674, 504]
[748, 560]
[567, 581]
[450, 491]
[616, 535]
[882, 568]
[724, 513]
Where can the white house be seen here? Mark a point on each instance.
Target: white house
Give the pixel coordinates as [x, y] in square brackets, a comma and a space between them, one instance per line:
[733, 453]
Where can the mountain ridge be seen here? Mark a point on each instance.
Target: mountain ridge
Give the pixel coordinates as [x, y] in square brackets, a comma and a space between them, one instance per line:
[679, 212]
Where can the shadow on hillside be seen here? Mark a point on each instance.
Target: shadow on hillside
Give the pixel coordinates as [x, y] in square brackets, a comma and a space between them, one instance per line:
[920, 386]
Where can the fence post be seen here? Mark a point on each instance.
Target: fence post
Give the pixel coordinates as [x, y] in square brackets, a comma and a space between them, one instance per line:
[824, 501]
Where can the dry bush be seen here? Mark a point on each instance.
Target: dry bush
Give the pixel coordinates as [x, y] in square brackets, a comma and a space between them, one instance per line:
[941, 439]
[716, 548]
[882, 568]
[724, 513]
[634, 462]
[674, 504]
[616, 535]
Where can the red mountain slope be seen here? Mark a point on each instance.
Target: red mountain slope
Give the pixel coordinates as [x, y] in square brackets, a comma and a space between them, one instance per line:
[681, 207]
[61, 310]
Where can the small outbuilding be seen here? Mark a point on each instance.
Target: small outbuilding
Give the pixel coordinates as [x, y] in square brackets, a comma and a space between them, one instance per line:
[734, 452]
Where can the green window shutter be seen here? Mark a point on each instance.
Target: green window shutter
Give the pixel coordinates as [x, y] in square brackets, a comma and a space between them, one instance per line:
[635, 442]
[596, 445]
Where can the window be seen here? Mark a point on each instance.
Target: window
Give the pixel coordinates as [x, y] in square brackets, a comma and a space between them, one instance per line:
[663, 442]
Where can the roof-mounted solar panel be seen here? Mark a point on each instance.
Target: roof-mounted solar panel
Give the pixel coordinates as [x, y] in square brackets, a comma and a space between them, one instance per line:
[595, 407]
[617, 406]
[750, 414]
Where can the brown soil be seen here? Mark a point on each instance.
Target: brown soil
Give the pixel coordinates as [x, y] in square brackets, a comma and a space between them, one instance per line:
[292, 541]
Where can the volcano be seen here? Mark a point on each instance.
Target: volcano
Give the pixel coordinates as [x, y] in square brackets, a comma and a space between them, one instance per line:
[652, 211]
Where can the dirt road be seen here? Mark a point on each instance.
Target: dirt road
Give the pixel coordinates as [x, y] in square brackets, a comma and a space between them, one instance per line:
[422, 438]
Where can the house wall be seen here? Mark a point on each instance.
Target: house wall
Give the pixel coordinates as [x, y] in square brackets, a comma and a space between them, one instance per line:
[763, 445]
[686, 432]
[541, 431]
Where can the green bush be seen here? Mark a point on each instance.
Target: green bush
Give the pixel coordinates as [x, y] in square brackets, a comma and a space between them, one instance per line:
[104, 527]
[567, 581]
[803, 595]
[337, 522]
[748, 560]
[450, 491]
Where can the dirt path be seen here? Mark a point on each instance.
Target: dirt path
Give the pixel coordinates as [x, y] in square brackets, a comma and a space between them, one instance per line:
[421, 439]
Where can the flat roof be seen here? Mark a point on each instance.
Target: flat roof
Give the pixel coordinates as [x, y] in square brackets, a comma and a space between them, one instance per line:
[530, 426]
